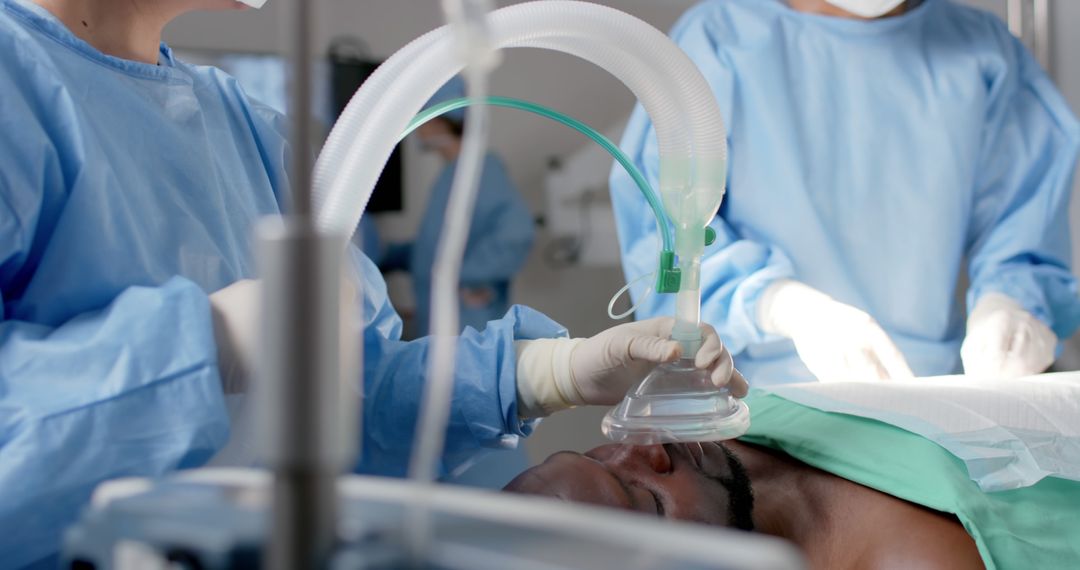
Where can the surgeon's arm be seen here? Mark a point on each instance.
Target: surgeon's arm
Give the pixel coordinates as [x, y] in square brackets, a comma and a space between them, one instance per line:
[484, 411]
[1019, 231]
[502, 232]
[128, 390]
[129, 387]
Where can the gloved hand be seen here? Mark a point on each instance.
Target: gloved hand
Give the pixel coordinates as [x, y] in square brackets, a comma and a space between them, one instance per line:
[555, 374]
[234, 310]
[837, 342]
[1005, 341]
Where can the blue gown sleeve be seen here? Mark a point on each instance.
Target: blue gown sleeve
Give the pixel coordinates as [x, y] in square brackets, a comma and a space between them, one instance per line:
[502, 229]
[484, 406]
[130, 390]
[736, 269]
[1019, 228]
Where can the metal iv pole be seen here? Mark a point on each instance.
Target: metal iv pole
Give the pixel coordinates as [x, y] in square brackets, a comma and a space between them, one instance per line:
[299, 387]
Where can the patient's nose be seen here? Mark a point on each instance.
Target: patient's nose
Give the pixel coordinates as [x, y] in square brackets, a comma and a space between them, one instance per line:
[652, 457]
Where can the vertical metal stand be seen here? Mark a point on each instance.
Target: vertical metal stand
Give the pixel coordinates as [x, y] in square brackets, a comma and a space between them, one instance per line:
[299, 388]
[302, 416]
[298, 27]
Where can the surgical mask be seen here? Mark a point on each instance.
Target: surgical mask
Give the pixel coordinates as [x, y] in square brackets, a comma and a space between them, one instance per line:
[253, 3]
[436, 142]
[867, 8]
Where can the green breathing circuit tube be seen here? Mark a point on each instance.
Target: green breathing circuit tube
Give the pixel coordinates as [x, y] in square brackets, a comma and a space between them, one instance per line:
[668, 277]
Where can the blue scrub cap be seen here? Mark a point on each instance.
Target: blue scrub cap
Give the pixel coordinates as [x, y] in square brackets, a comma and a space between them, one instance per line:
[453, 89]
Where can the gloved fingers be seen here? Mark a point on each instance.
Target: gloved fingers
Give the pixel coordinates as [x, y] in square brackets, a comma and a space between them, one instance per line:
[976, 355]
[1028, 354]
[715, 357]
[824, 366]
[988, 350]
[1018, 343]
[862, 365]
[720, 368]
[996, 336]
[889, 357]
[737, 384]
[1009, 369]
[986, 364]
[234, 312]
[711, 348]
[652, 349]
[656, 326]
[875, 369]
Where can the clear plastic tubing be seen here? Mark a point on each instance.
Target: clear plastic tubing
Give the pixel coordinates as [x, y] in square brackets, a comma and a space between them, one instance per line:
[613, 149]
[689, 128]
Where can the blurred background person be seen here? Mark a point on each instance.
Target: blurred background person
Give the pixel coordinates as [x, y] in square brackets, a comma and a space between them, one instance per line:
[500, 236]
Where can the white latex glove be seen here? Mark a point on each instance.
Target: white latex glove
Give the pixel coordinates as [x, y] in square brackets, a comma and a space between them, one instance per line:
[235, 309]
[1005, 341]
[235, 313]
[836, 342]
[555, 374]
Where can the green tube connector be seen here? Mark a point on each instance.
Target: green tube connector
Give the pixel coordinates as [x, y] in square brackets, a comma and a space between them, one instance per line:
[669, 277]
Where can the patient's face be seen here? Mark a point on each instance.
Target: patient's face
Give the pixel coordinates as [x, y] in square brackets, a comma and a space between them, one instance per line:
[702, 483]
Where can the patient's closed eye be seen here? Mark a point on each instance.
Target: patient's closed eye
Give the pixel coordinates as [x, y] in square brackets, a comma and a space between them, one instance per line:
[659, 503]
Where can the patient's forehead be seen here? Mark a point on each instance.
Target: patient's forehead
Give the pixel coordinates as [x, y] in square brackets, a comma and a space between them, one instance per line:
[570, 477]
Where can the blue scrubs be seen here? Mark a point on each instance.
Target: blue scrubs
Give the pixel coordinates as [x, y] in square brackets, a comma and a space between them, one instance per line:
[127, 193]
[500, 238]
[369, 241]
[869, 160]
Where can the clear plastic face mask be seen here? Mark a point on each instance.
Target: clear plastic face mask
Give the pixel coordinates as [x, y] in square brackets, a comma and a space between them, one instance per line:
[676, 402]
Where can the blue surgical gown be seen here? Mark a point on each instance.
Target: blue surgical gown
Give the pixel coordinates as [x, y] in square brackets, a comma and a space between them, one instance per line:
[127, 193]
[500, 237]
[369, 242]
[870, 159]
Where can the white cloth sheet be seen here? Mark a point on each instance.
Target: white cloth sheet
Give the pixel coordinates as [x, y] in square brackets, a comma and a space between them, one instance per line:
[1010, 434]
